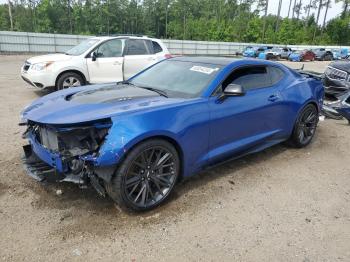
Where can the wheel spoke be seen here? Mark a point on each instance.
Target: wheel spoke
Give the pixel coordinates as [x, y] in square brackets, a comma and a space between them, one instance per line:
[167, 165]
[150, 189]
[144, 158]
[310, 117]
[149, 160]
[76, 83]
[139, 194]
[301, 134]
[162, 181]
[157, 159]
[306, 116]
[144, 195]
[158, 186]
[132, 181]
[163, 159]
[165, 174]
[140, 165]
[133, 189]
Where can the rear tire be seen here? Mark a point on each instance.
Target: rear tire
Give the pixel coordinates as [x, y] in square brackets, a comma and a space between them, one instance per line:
[68, 80]
[146, 177]
[305, 127]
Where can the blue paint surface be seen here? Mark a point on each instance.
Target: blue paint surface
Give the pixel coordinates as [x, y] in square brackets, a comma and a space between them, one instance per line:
[204, 129]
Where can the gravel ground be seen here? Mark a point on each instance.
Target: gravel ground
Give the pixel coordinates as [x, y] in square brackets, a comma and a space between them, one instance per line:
[281, 204]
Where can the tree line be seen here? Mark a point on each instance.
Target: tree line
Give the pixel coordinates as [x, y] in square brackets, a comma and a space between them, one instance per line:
[210, 20]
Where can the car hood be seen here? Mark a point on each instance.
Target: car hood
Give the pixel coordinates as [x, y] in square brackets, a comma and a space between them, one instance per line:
[90, 103]
[342, 65]
[49, 58]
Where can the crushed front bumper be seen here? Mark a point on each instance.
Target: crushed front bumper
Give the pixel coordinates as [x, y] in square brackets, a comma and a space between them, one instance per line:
[37, 168]
[44, 165]
[41, 171]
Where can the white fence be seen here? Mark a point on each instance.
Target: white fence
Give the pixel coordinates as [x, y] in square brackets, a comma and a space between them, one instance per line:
[51, 43]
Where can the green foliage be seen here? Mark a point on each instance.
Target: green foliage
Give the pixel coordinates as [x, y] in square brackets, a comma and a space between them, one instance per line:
[213, 20]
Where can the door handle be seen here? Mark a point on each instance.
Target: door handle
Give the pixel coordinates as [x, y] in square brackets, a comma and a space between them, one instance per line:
[117, 63]
[273, 98]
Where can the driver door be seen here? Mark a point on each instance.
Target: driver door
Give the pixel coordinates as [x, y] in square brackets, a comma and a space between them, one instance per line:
[107, 65]
[240, 123]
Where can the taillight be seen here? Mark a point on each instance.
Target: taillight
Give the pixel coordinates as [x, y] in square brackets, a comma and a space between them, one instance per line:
[167, 56]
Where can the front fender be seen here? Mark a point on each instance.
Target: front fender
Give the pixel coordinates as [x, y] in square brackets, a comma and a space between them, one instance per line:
[122, 138]
[186, 124]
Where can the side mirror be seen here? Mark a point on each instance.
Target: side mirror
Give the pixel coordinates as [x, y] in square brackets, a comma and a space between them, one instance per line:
[232, 90]
[93, 56]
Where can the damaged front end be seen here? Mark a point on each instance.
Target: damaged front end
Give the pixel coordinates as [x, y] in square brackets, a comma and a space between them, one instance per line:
[65, 153]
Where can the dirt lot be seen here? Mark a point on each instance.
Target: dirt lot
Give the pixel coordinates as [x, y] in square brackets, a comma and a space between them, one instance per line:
[278, 205]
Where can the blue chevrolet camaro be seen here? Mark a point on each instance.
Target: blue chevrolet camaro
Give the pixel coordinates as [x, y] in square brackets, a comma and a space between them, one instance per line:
[133, 140]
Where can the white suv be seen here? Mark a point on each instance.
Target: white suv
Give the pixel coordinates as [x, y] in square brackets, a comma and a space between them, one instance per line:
[95, 60]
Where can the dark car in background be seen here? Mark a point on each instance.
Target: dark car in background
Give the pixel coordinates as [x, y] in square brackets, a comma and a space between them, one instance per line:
[322, 54]
[337, 78]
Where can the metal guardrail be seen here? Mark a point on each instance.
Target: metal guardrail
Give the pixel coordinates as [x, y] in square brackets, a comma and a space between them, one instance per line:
[24, 42]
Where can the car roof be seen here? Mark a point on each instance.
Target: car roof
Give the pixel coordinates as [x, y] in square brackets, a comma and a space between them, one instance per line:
[123, 36]
[224, 61]
[207, 60]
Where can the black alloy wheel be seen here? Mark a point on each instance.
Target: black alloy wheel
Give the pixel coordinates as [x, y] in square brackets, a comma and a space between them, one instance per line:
[305, 126]
[146, 177]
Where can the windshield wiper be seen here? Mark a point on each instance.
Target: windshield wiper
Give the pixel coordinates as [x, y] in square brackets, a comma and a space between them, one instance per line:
[156, 90]
[160, 92]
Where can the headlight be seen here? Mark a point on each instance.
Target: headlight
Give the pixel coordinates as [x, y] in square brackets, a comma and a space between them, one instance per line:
[41, 66]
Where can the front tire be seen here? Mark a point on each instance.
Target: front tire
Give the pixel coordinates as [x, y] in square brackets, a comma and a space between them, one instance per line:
[146, 177]
[305, 127]
[68, 80]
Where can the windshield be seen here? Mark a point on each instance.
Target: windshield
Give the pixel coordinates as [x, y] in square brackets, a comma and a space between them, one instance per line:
[178, 78]
[82, 47]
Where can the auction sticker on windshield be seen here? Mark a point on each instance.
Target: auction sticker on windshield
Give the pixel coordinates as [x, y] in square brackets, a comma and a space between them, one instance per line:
[203, 69]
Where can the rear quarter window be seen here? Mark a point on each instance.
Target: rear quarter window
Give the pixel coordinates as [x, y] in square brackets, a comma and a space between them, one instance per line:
[156, 47]
[275, 74]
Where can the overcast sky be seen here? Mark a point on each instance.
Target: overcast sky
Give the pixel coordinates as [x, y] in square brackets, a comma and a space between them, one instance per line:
[273, 6]
[332, 12]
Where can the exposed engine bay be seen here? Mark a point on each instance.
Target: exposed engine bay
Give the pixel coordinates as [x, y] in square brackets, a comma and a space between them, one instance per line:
[63, 151]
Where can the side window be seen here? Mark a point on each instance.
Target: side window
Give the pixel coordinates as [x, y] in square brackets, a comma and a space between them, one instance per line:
[156, 47]
[249, 78]
[111, 48]
[275, 74]
[137, 47]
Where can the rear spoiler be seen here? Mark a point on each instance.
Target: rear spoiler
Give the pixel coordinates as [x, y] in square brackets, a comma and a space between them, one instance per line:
[312, 74]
